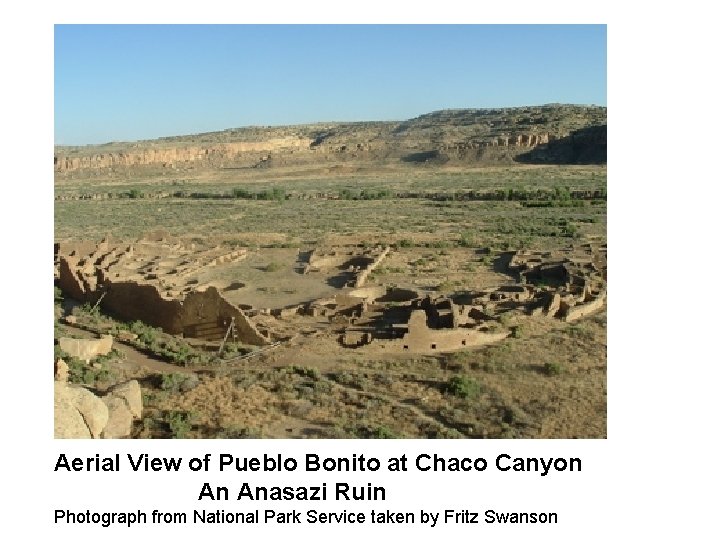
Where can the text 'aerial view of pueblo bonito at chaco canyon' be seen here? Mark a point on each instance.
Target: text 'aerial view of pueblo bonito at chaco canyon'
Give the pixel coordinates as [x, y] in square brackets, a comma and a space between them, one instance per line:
[443, 276]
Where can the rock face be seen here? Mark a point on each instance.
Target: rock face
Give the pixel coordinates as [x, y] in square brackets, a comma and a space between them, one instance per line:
[120, 418]
[124, 403]
[130, 393]
[79, 414]
[86, 349]
[465, 135]
[170, 156]
[62, 372]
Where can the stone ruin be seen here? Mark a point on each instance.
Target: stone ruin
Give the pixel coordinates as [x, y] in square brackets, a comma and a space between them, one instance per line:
[566, 284]
[156, 281]
[355, 264]
[165, 283]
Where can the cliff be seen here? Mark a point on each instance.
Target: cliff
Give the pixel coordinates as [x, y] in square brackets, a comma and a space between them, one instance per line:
[548, 133]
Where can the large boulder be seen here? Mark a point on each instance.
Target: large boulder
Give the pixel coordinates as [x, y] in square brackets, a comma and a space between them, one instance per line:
[129, 391]
[120, 418]
[79, 414]
[124, 403]
[86, 349]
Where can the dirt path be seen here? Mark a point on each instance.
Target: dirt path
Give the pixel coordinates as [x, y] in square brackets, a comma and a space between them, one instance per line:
[131, 357]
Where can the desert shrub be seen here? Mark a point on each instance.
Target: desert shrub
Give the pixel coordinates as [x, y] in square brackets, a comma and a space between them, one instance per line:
[365, 195]
[552, 368]
[467, 239]
[462, 387]
[82, 373]
[445, 433]
[372, 432]
[576, 331]
[275, 194]
[383, 432]
[570, 231]
[179, 423]
[177, 382]
[351, 379]
[239, 432]
[322, 387]
[135, 194]
[240, 193]
[449, 286]
[493, 365]
[303, 371]
[146, 334]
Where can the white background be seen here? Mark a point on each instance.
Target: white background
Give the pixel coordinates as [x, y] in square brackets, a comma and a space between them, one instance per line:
[655, 475]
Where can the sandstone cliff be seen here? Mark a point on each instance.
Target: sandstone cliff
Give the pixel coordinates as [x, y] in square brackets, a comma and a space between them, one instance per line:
[562, 133]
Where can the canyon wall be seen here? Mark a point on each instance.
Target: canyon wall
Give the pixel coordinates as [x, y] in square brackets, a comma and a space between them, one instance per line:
[553, 133]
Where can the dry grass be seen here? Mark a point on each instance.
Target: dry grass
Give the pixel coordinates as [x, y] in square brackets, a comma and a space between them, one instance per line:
[547, 381]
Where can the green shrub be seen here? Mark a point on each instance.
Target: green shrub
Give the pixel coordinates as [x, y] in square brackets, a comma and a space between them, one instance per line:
[179, 423]
[82, 373]
[552, 368]
[177, 382]
[462, 387]
[382, 432]
[303, 371]
[467, 239]
[240, 193]
[239, 432]
[146, 334]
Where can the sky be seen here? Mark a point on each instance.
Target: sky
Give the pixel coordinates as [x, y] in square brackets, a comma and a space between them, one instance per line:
[133, 82]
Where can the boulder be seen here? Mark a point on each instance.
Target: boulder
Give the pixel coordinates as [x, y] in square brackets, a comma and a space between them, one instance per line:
[120, 419]
[124, 403]
[79, 414]
[62, 372]
[129, 391]
[86, 349]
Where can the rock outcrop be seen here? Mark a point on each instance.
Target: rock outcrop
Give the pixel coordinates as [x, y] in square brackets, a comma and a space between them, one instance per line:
[467, 135]
[86, 349]
[62, 372]
[124, 403]
[129, 392]
[79, 414]
[168, 156]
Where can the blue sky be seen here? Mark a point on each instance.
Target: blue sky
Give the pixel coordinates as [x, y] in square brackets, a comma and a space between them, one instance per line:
[133, 82]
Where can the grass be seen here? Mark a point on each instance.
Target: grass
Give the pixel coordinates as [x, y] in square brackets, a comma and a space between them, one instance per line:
[418, 220]
[506, 390]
